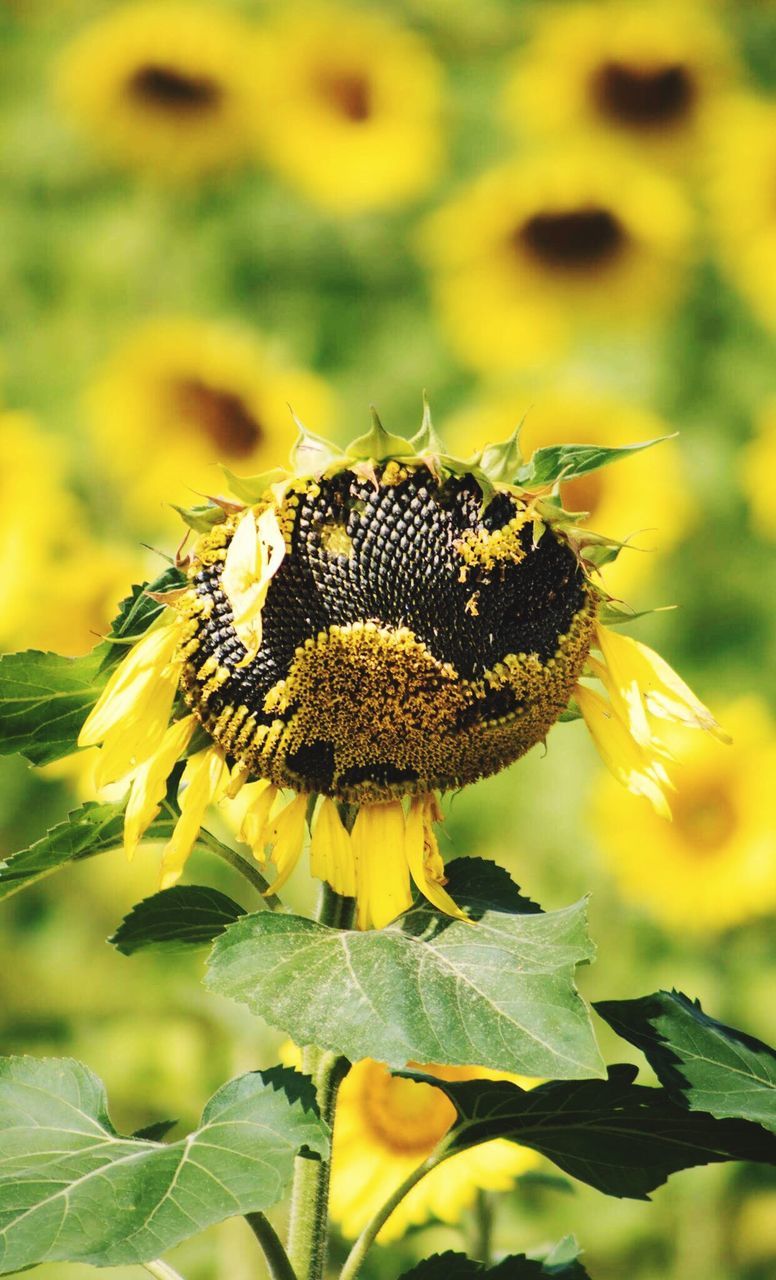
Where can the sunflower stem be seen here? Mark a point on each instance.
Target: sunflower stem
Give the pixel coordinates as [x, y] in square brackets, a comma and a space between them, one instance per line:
[276, 1257]
[246, 868]
[483, 1227]
[368, 1236]
[308, 1227]
[161, 1270]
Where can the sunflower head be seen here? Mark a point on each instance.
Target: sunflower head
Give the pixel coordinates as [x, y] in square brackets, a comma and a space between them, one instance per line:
[421, 630]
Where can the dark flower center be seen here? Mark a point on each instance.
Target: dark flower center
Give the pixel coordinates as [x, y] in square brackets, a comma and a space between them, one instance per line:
[705, 817]
[409, 640]
[643, 97]
[348, 92]
[222, 416]
[175, 91]
[576, 240]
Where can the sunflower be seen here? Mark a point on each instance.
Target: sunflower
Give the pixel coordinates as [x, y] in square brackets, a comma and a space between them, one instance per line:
[369, 629]
[741, 182]
[386, 1126]
[181, 395]
[166, 88]
[646, 496]
[645, 73]
[352, 104]
[535, 249]
[715, 865]
[758, 473]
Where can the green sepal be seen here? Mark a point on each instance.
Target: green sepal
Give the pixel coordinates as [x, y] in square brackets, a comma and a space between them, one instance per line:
[567, 461]
[252, 489]
[312, 454]
[426, 439]
[377, 444]
[202, 518]
[612, 613]
[502, 462]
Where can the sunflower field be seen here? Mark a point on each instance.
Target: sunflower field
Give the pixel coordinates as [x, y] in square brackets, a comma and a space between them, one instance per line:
[227, 226]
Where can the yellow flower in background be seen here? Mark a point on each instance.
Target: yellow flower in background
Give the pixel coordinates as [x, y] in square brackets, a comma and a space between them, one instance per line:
[647, 73]
[182, 395]
[385, 1127]
[166, 88]
[714, 866]
[351, 111]
[645, 495]
[742, 179]
[562, 242]
[758, 473]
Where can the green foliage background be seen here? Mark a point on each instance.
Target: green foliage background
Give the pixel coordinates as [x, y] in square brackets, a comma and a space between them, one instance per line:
[86, 253]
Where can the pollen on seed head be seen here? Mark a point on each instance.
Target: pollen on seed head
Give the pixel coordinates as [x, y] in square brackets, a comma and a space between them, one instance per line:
[410, 639]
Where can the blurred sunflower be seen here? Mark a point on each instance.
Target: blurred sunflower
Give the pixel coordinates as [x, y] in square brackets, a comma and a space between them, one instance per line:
[352, 106]
[386, 1127]
[646, 73]
[742, 179]
[715, 865]
[645, 495]
[167, 88]
[374, 626]
[182, 395]
[758, 473]
[534, 249]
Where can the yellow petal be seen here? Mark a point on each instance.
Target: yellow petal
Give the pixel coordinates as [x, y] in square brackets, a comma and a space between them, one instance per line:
[425, 860]
[133, 684]
[630, 763]
[285, 833]
[203, 779]
[642, 676]
[382, 876]
[150, 782]
[253, 827]
[331, 852]
[252, 559]
[132, 741]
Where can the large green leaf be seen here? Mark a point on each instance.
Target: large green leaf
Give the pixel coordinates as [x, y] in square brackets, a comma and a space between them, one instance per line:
[622, 1138]
[72, 1189]
[561, 1263]
[566, 461]
[188, 915]
[94, 828]
[498, 992]
[704, 1064]
[44, 700]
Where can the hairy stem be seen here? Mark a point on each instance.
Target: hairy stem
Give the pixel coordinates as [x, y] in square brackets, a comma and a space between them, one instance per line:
[308, 1228]
[277, 1259]
[161, 1270]
[372, 1229]
[242, 865]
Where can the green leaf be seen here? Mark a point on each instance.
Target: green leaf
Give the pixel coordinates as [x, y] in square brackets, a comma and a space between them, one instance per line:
[566, 461]
[72, 1189]
[562, 1262]
[188, 915]
[703, 1064]
[624, 1139]
[44, 700]
[139, 611]
[156, 1131]
[497, 993]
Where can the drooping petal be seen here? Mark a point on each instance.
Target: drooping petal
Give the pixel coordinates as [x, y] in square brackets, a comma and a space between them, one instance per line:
[134, 684]
[331, 851]
[253, 827]
[150, 781]
[130, 742]
[642, 676]
[631, 764]
[203, 779]
[252, 559]
[425, 861]
[285, 832]
[382, 876]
